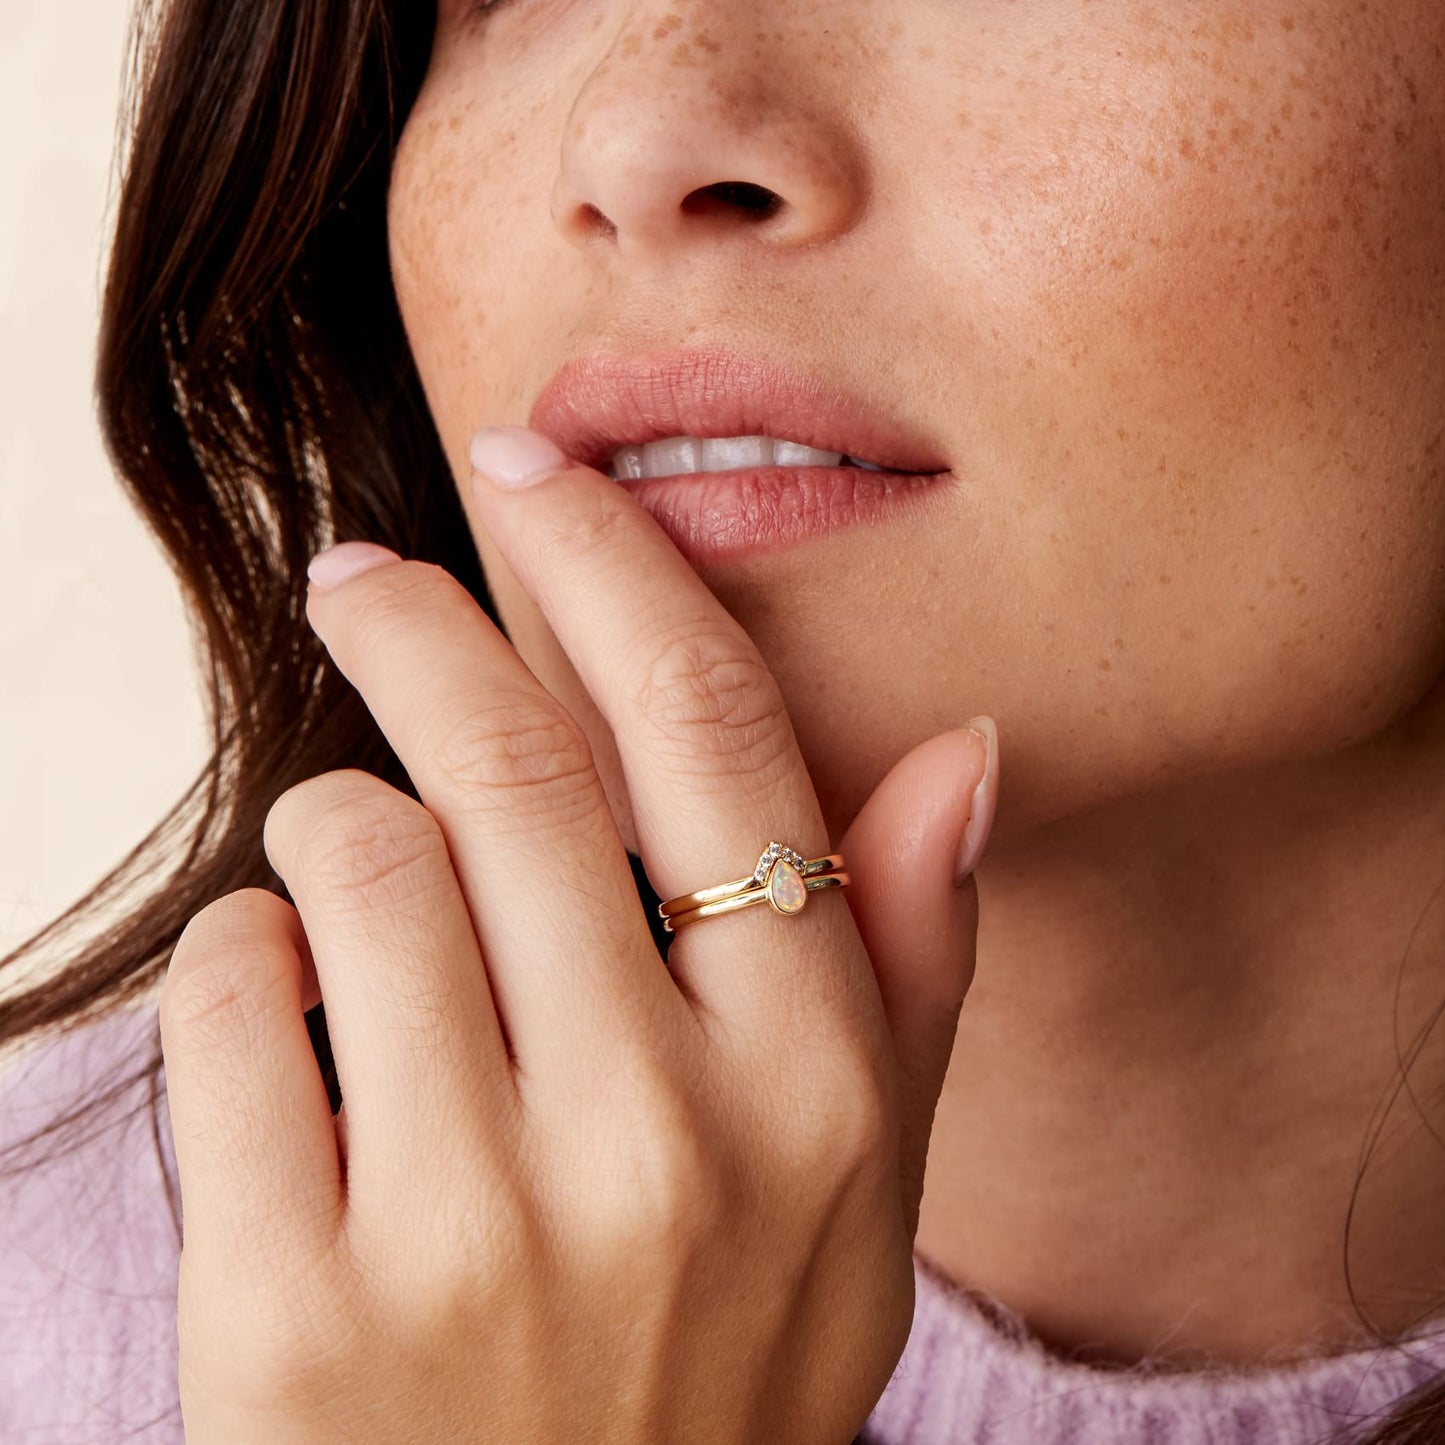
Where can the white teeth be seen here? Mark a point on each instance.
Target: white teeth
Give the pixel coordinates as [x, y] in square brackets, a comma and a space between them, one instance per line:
[794, 454]
[727, 454]
[626, 465]
[680, 455]
[668, 458]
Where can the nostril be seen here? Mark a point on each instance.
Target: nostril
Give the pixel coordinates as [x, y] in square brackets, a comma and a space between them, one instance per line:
[598, 226]
[759, 200]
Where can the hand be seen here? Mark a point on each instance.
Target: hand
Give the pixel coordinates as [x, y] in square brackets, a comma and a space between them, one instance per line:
[574, 1192]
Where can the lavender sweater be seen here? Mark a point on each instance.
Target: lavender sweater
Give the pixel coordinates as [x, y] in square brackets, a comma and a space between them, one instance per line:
[89, 1249]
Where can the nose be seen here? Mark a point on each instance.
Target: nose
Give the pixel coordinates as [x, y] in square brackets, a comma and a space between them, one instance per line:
[716, 123]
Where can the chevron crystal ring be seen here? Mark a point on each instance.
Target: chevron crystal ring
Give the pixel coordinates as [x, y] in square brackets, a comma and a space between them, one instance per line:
[782, 879]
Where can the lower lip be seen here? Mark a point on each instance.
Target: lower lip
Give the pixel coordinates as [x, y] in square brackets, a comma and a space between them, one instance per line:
[715, 516]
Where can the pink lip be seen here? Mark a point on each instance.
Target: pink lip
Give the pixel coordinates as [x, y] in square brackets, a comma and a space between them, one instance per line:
[594, 405]
[723, 516]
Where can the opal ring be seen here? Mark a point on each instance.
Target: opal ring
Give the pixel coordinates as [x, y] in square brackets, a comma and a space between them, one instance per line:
[783, 879]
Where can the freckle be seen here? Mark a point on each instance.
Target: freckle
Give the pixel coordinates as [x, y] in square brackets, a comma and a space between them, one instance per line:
[1186, 634]
[925, 52]
[1287, 23]
[665, 28]
[1105, 665]
[1165, 578]
[1119, 643]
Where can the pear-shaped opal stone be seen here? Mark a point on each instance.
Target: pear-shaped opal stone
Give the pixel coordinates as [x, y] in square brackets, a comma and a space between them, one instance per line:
[786, 889]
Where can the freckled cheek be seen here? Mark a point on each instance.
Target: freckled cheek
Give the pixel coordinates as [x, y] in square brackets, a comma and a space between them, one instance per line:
[1234, 469]
[1217, 302]
[457, 276]
[463, 269]
[1248, 331]
[1281, 287]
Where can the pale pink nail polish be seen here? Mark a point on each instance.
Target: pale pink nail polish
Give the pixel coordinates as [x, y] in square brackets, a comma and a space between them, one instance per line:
[515, 456]
[331, 567]
[980, 818]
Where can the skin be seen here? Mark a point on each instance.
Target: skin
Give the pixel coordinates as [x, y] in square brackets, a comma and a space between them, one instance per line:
[1166, 286]
[533, 1102]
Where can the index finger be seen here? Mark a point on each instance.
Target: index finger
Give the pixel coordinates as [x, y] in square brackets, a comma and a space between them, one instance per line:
[708, 750]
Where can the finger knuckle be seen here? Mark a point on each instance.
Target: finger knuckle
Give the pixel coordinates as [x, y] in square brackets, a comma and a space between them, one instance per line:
[838, 1121]
[216, 1005]
[416, 595]
[506, 745]
[372, 844]
[645, 1156]
[669, 1178]
[688, 1182]
[709, 697]
[483, 1238]
[595, 522]
[229, 993]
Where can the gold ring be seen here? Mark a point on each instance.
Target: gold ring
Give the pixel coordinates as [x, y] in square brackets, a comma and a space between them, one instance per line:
[783, 879]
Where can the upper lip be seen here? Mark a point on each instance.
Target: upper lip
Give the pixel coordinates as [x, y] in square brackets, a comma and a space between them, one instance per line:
[597, 404]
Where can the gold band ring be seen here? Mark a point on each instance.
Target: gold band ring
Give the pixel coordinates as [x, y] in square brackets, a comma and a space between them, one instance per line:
[783, 879]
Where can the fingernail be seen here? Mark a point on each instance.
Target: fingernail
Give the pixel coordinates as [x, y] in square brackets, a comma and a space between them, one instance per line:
[980, 817]
[335, 564]
[515, 456]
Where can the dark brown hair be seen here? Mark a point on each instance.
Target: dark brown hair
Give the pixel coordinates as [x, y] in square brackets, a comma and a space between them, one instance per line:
[258, 401]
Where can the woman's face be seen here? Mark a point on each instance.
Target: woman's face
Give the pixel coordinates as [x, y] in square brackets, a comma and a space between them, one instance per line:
[1166, 283]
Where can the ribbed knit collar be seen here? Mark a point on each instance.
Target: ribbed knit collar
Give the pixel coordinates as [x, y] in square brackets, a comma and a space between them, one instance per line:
[973, 1372]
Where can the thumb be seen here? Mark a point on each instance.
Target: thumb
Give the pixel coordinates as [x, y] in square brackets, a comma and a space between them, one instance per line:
[918, 923]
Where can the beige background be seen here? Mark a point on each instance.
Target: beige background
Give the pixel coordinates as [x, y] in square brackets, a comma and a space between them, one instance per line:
[101, 724]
